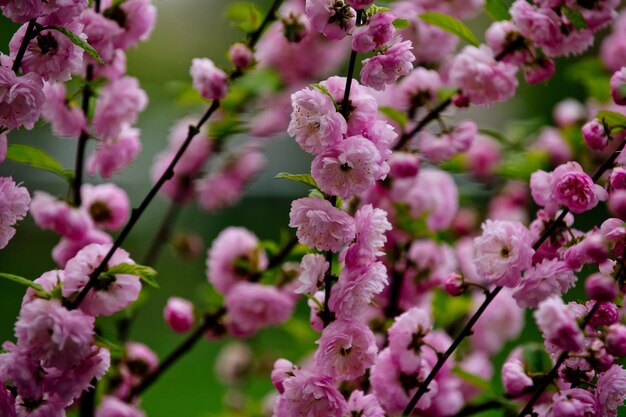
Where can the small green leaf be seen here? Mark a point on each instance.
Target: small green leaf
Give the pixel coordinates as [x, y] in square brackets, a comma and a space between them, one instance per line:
[26, 282]
[303, 178]
[37, 158]
[145, 273]
[590, 73]
[326, 92]
[474, 380]
[106, 343]
[574, 17]
[615, 122]
[395, 115]
[78, 41]
[373, 9]
[521, 165]
[497, 9]
[401, 23]
[245, 16]
[451, 25]
[536, 359]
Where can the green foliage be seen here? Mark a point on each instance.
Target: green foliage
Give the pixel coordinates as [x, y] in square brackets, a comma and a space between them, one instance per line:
[447, 310]
[590, 73]
[451, 25]
[520, 165]
[145, 273]
[536, 358]
[401, 23]
[395, 115]
[498, 9]
[574, 17]
[26, 282]
[245, 16]
[303, 178]
[485, 385]
[37, 158]
[613, 121]
[76, 40]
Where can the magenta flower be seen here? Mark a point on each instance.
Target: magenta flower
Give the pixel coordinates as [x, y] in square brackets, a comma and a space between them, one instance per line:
[558, 324]
[139, 17]
[611, 391]
[21, 99]
[550, 277]
[574, 189]
[333, 18]
[514, 378]
[178, 314]
[119, 103]
[575, 402]
[311, 395]
[378, 31]
[386, 68]
[208, 80]
[364, 405]
[618, 87]
[371, 225]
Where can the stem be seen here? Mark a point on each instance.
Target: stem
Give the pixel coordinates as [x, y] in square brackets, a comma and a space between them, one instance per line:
[269, 17]
[345, 104]
[432, 115]
[392, 309]
[88, 401]
[20, 53]
[163, 234]
[136, 213]
[82, 140]
[327, 316]
[547, 380]
[209, 321]
[467, 330]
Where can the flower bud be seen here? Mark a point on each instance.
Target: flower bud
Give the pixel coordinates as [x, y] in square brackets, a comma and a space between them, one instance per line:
[616, 340]
[617, 203]
[601, 288]
[595, 135]
[618, 87]
[454, 284]
[178, 314]
[240, 55]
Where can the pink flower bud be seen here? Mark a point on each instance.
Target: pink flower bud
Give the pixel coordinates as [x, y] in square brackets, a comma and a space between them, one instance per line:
[618, 87]
[606, 314]
[600, 287]
[404, 165]
[461, 101]
[617, 203]
[454, 284]
[616, 340]
[240, 55]
[514, 378]
[539, 71]
[178, 314]
[595, 135]
[618, 178]
[209, 80]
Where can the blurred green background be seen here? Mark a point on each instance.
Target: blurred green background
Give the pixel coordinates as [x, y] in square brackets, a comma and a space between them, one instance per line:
[186, 29]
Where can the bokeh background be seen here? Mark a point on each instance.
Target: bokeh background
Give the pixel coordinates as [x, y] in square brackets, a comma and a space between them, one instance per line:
[186, 29]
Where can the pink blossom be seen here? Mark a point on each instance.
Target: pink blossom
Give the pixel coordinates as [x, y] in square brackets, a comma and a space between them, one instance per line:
[606, 314]
[484, 80]
[114, 407]
[568, 112]
[617, 203]
[252, 306]
[3, 146]
[18, 366]
[58, 337]
[355, 290]
[406, 338]
[208, 80]
[454, 284]
[138, 18]
[575, 402]
[346, 349]
[611, 391]
[600, 287]
[114, 69]
[234, 244]
[348, 168]
[240, 55]
[51, 213]
[615, 342]
[573, 188]
[541, 25]
[314, 269]
[359, 4]
[7, 402]
[21, 99]
[140, 360]
[363, 405]
[112, 292]
[375, 33]
[558, 324]
[14, 201]
[514, 378]
[618, 86]
[234, 363]
[539, 70]
[334, 19]
[320, 225]
[386, 68]
[315, 123]
[101, 33]
[114, 154]
[502, 321]
[62, 12]
[595, 135]
[550, 277]
[282, 370]
[483, 156]
[315, 319]
[22, 11]
[450, 142]
[417, 89]
[371, 226]
[404, 165]
[363, 106]
[119, 103]
[501, 36]
[178, 314]
[310, 395]
[66, 117]
[503, 251]
[552, 141]
[107, 204]
[618, 178]
[67, 248]
[433, 193]
[50, 54]
[51, 406]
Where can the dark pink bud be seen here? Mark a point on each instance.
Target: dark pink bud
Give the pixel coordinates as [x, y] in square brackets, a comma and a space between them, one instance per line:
[461, 100]
[617, 203]
[454, 284]
[595, 135]
[616, 340]
[605, 315]
[240, 55]
[601, 288]
[178, 314]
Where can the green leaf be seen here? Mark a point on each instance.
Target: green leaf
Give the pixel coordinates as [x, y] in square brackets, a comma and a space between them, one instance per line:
[395, 115]
[245, 16]
[590, 73]
[78, 41]
[303, 178]
[373, 9]
[497, 9]
[574, 17]
[326, 92]
[474, 380]
[26, 282]
[451, 25]
[449, 310]
[536, 359]
[615, 122]
[37, 158]
[401, 23]
[144, 272]
[106, 343]
[521, 165]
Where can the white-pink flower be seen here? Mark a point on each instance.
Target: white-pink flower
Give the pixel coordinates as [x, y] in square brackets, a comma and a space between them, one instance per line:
[208, 80]
[14, 201]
